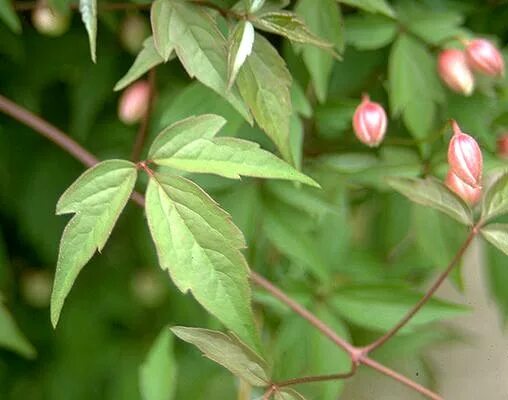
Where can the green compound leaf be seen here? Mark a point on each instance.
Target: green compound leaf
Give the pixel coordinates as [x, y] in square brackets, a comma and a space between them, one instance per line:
[432, 193]
[228, 351]
[97, 198]
[264, 84]
[199, 247]
[157, 375]
[190, 145]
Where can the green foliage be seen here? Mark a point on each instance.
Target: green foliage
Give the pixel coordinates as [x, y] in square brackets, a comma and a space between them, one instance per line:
[10, 335]
[496, 199]
[88, 9]
[8, 16]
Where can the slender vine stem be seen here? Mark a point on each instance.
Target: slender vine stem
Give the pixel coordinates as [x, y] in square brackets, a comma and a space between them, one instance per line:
[137, 148]
[358, 355]
[428, 295]
[318, 378]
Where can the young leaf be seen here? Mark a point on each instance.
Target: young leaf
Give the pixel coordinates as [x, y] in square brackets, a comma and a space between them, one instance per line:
[289, 25]
[160, 15]
[228, 351]
[495, 202]
[157, 374]
[147, 58]
[264, 83]
[432, 193]
[11, 337]
[381, 307]
[199, 247]
[9, 17]
[373, 6]
[201, 48]
[241, 41]
[97, 198]
[326, 22]
[88, 10]
[497, 234]
[231, 158]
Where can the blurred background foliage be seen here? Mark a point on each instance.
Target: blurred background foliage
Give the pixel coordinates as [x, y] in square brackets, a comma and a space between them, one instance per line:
[355, 253]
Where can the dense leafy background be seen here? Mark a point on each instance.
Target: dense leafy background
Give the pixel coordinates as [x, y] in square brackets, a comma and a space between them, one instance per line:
[351, 252]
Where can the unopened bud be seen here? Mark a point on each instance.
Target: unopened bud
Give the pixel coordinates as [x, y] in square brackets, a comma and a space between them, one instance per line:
[469, 194]
[454, 71]
[484, 57]
[465, 157]
[369, 122]
[502, 146]
[133, 32]
[133, 103]
[48, 21]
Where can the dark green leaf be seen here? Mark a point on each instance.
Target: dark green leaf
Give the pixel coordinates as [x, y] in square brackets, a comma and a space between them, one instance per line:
[264, 83]
[97, 198]
[8, 16]
[381, 307]
[11, 337]
[326, 22]
[432, 193]
[373, 6]
[289, 25]
[199, 246]
[228, 351]
[88, 10]
[157, 375]
[147, 58]
[497, 234]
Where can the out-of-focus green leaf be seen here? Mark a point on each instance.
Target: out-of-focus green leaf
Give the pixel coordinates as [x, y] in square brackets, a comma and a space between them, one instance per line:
[264, 83]
[88, 10]
[147, 58]
[11, 337]
[381, 307]
[369, 32]
[301, 104]
[289, 25]
[495, 202]
[326, 22]
[157, 374]
[288, 394]
[97, 198]
[497, 234]
[8, 16]
[498, 276]
[432, 193]
[373, 6]
[199, 246]
[241, 41]
[228, 351]
[201, 47]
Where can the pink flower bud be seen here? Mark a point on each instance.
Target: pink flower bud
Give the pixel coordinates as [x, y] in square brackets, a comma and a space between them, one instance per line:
[502, 145]
[482, 56]
[465, 157]
[454, 71]
[469, 194]
[133, 103]
[369, 122]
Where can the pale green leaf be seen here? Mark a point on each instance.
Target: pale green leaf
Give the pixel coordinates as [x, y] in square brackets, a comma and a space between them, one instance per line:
[228, 351]
[231, 158]
[97, 198]
[160, 16]
[241, 41]
[495, 202]
[8, 16]
[264, 83]
[373, 6]
[326, 22]
[147, 58]
[288, 394]
[256, 5]
[11, 337]
[202, 49]
[497, 234]
[289, 25]
[88, 10]
[432, 193]
[197, 245]
[157, 374]
[380, 307]
[369, 32]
